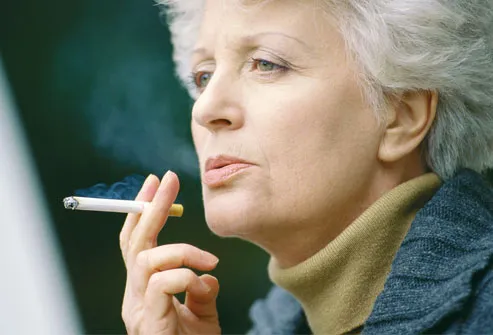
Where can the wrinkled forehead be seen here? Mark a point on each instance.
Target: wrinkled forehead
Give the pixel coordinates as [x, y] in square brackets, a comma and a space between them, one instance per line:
[186, 19]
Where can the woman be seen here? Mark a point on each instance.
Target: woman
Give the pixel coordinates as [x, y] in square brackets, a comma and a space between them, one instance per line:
[346, 138]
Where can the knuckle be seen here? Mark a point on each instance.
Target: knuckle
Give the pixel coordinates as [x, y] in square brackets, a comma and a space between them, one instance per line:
[124, 315]
[185, 251]
[133, 328]
[122, 240]
[128, 321]
[183, 247]
[155, 280]
[189, 275]
[143, 259]
[131, 246]
[189, 254]
[151, 240]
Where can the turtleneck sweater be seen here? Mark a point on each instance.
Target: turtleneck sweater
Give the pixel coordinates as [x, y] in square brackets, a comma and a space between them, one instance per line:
[338, 286]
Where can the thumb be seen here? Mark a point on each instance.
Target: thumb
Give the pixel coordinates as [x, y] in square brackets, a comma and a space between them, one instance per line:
[204, 305]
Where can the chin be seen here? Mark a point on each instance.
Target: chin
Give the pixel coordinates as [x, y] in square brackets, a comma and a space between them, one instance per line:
[226, 222]
[221, 225]
[230, 216]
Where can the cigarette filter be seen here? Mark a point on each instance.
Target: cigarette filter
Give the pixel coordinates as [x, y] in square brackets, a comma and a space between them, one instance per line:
[114, 205]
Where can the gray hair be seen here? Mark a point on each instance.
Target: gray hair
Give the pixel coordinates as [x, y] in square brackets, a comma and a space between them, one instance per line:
[404, 45]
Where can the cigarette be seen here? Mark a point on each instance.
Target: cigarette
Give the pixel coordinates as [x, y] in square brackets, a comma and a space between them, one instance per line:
[113, 205]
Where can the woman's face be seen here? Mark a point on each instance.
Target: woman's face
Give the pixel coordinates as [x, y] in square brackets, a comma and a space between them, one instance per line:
[279, 94]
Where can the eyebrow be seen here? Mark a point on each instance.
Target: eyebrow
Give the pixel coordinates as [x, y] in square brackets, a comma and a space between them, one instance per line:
[249, 39]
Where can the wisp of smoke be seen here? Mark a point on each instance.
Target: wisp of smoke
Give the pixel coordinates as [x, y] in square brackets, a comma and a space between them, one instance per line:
[126, 189]
[116, 71]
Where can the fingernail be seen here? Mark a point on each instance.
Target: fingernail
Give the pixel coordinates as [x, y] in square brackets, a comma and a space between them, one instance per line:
[204, 286]
[215, 261]
[148, 179]
[166, 178]
[144, 188]
[209, 258]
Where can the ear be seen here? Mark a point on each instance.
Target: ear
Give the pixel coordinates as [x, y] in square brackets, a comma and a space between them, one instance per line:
[409, 120]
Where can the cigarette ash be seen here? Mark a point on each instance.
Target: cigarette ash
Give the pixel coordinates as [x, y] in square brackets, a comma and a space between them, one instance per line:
[126, 189]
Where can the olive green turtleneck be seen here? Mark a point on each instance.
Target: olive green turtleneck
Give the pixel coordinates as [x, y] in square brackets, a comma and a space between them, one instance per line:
[338, 286]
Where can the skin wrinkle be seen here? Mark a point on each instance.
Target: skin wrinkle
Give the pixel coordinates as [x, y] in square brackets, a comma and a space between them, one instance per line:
[313, 137]
[250, 43]
[451, 54]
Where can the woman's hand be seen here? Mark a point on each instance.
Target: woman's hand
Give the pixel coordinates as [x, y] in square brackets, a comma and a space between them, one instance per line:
[155, 274]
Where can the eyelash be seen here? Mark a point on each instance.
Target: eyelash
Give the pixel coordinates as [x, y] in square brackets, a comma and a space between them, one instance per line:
[254, 62]
[193, 79]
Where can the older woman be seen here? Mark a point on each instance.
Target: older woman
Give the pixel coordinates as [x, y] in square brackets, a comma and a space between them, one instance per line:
[345, 138]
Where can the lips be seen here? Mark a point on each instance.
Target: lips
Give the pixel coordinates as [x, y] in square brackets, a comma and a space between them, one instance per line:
[221, 169]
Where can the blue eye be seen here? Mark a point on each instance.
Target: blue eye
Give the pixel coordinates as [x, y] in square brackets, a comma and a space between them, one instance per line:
[263, 65]
[201, 79]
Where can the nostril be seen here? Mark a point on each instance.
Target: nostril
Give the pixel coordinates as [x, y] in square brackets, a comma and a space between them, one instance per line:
[221, 122]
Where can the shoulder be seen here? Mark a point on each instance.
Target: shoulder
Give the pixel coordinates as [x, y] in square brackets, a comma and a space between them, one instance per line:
[480, 318]
[279, 313]
[441, 277]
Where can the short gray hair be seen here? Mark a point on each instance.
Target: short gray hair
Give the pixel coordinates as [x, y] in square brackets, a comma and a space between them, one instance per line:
[404, 45]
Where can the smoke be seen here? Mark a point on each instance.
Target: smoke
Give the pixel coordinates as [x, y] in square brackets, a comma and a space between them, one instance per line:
[125, 189]
[133, 124]
[114, 68]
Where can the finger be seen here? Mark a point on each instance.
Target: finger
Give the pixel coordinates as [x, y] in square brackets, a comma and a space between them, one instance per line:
[185, 314]
[158, 299]
[146, 193]
[144, 236]
[154, 216]
[170, 256]
[204, 305]
[167, 257]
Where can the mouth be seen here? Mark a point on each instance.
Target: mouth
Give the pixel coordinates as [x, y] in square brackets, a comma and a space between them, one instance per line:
[221, 169]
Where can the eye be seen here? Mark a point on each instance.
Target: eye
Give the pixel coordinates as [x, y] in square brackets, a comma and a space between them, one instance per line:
[263, 65]
[201, 79]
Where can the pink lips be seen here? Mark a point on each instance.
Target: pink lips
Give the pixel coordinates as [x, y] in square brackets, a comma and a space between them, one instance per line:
[219, 169]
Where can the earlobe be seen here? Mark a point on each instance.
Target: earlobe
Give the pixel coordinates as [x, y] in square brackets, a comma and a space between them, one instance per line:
[409, 120]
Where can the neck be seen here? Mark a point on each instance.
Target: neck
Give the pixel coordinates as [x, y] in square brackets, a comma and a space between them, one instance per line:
[341, 282]
[301, 240]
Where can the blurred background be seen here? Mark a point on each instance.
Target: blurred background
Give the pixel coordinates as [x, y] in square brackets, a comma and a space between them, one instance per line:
[96, 92]
[97, 96]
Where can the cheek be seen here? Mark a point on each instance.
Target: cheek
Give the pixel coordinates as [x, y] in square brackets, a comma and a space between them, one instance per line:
[314, 133]
[296, 128]
[326, 118]
[199, 137]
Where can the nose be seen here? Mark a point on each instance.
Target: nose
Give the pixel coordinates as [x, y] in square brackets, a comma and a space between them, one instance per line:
[219, 106]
